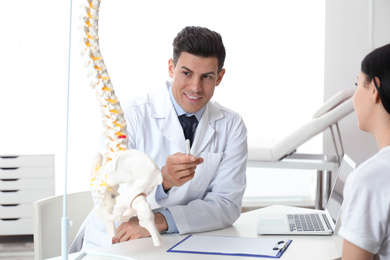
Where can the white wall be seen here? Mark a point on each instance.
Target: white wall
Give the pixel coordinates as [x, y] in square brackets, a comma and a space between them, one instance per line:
[34, 54]
[264, 41]
[347, 41]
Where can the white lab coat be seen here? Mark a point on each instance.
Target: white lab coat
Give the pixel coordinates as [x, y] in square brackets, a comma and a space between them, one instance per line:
[213, 198]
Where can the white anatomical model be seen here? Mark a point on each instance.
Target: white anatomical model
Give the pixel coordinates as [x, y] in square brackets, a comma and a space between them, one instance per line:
[121, 179]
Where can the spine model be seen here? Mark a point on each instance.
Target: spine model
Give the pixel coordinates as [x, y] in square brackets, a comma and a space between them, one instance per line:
[138, 173]
[113, 119]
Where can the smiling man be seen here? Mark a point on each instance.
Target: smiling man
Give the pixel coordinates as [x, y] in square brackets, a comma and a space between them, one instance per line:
[194, 79]
[201, 190]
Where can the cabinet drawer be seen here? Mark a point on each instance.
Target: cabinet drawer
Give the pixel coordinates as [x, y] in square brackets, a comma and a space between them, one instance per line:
[16, 211]
[26, 172]
[26, 160]
[24, 196]
[19, 226]
[26, 184]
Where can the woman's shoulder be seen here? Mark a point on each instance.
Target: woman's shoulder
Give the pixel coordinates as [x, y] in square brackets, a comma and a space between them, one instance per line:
[375, 172]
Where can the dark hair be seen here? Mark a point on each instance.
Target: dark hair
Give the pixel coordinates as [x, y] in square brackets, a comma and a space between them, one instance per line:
[377, 64]
[199, 41]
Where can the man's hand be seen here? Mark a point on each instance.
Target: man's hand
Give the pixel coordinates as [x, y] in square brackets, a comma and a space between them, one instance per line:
[132, 230]
[179, 169]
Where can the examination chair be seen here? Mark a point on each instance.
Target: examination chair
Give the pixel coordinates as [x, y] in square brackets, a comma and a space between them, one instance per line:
[282, 153]
[48, 213]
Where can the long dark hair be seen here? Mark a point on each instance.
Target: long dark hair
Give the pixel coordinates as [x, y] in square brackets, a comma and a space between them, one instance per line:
[199, 41]
[377, 64]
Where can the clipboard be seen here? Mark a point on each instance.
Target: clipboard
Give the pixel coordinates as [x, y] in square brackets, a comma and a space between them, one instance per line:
[234, 246]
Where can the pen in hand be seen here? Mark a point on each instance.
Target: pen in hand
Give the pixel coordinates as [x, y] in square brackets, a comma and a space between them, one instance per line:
[188, 147]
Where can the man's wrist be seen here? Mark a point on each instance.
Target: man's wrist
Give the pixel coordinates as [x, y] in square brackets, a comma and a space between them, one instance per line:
[165, 185]
[161, 222]
[172, 228]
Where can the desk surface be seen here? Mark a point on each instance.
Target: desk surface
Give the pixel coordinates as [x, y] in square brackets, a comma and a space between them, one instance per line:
[302, 247]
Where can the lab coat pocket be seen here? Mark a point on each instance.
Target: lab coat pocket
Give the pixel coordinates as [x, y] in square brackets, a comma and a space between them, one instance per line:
[205, 172]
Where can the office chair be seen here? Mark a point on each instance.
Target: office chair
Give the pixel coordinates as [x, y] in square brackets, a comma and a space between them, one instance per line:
[47, 221]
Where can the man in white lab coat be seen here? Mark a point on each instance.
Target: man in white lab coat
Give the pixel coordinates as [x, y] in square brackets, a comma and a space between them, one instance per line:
[201, 191]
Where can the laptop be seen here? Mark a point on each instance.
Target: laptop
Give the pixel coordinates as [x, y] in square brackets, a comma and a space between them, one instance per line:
[310, 222]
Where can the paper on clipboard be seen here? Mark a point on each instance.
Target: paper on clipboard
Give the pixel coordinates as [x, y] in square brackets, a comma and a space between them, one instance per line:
[238, 246]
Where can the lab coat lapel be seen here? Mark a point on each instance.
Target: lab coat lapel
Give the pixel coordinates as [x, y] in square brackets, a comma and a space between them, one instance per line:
[173, 131]
[205, 131]
[163, 109]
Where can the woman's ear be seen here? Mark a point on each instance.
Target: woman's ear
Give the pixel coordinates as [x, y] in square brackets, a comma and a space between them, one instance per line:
[375, 90]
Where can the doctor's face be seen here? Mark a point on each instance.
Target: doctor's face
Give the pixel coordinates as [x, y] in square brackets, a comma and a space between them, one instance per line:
[194, 79]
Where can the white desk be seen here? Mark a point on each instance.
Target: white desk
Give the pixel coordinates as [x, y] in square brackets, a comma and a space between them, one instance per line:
[302, 247]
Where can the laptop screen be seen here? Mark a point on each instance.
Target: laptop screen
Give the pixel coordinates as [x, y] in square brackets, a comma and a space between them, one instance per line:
[336, 197]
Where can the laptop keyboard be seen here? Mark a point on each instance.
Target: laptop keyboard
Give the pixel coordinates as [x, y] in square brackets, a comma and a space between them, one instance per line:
[305, 222]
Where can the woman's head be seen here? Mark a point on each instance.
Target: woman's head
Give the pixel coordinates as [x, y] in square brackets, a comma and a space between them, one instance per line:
[376, 69]
[373, 89]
